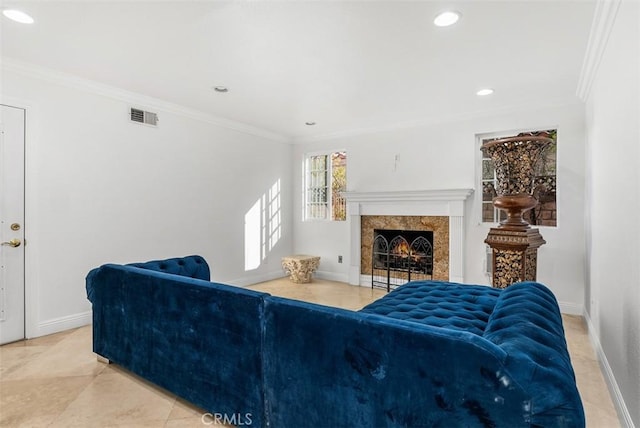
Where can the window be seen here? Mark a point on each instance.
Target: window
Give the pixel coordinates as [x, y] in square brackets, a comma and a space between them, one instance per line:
[325, 179]
[545, 213]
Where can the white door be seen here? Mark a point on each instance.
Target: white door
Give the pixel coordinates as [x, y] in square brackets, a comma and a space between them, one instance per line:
[12, 136]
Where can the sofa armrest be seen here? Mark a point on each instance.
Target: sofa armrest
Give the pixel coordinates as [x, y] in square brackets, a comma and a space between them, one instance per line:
[527, 324]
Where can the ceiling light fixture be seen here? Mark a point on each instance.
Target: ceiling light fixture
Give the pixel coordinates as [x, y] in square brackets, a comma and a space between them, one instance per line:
[18, 16]
[309, 123]
[221, 89]
[483, 92]
[447, 18]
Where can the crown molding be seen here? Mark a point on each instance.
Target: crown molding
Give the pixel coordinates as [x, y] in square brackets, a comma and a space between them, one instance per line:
[603, 19]
[76, 82]
[438, 120]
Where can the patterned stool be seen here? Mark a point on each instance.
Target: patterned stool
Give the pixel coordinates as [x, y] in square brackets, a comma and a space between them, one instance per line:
[300, 267]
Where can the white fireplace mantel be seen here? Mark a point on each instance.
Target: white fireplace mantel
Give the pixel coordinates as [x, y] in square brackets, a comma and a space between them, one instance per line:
[442, 202]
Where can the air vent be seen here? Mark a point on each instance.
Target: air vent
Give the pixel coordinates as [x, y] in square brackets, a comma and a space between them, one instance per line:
[142, 116]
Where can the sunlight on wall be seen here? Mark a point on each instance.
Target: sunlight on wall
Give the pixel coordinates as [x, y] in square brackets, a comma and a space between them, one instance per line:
[252, 237]
[275, 215]
[262, 227]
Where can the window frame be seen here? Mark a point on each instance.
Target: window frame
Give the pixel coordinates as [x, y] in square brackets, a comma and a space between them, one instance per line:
[328, 185]
[479, 178]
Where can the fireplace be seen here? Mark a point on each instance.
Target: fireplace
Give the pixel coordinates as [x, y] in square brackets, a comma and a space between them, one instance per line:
[400, 256]
[441, 211]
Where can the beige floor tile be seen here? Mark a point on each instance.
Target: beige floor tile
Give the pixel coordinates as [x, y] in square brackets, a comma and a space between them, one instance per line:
[12, 359]
[117, 398]
[598, 406]
[32, 401]
[323, 292]
[194, 422]
[72, 355]
[185, 414]
[183, 410]
[48, 340]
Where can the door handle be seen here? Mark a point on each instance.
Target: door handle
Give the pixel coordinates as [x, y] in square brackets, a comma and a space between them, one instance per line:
[12, 243]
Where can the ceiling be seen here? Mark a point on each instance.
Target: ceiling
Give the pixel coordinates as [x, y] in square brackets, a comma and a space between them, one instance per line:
[348, 66]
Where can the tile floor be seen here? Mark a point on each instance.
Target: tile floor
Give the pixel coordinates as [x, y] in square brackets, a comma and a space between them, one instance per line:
[56, 381]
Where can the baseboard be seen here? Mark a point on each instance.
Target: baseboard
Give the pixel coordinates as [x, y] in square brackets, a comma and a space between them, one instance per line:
[252, 279]
[616, 394]
[571, 308]
[57, 325]
[332, 276]
[269, 276]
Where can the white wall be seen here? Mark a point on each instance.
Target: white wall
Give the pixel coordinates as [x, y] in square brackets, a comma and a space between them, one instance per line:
[101, 189]
[445, 156]
[613, 134]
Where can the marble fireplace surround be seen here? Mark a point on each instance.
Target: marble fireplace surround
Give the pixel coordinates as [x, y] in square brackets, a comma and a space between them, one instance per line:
[444, 202]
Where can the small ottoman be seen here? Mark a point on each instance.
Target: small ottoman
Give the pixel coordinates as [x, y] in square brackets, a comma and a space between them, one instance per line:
[300, 267]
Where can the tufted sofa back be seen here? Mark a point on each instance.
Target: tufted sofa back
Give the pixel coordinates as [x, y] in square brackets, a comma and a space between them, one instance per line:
[189, 266]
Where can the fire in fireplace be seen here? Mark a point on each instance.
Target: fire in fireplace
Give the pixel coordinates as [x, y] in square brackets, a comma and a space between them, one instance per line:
[400, 256]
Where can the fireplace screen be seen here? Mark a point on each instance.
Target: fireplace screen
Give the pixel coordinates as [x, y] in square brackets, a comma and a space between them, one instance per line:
[400, 256]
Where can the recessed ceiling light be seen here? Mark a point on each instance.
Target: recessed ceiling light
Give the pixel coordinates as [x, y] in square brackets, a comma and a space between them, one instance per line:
[483, 92]
[309, 123]
[18, 16]
[446, 18]
[221, 89]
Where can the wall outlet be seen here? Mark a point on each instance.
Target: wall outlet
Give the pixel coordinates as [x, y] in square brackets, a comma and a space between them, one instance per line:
[339, 259]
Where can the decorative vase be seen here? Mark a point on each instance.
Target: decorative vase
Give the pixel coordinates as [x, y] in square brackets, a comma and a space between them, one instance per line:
[514, 243]
[514, 160]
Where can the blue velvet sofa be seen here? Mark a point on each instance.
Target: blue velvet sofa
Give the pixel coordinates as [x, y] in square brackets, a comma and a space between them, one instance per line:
[428, 354]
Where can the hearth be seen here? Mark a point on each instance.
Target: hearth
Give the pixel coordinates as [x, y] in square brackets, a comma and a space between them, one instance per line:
[400, 256]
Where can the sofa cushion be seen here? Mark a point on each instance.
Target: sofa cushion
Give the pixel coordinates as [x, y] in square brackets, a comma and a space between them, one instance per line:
[439, 304]
[190, 266]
